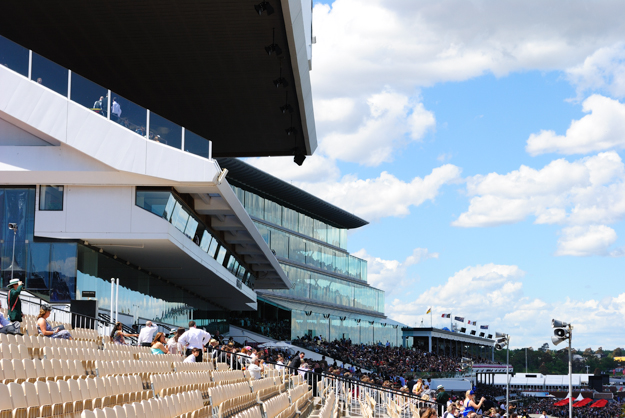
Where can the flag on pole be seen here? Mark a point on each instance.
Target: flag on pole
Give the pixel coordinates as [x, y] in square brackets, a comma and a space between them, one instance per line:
[483, 326]
[459, 318]
[429, 310]
[446, 315]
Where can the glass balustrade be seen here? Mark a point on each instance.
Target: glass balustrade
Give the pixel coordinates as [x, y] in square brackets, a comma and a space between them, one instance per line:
[14, 56]
[95, 97]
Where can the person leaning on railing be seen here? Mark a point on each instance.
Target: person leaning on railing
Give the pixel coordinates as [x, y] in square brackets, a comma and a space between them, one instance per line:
[44, 328]
[117, 335]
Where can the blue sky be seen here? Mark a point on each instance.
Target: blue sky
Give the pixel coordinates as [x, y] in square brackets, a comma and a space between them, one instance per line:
[483, 142]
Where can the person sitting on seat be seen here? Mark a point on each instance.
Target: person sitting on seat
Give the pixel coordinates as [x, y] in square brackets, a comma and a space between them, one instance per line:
[46, 330]
[158, 345]
[192, 358]
[117, 336]
[8, 327]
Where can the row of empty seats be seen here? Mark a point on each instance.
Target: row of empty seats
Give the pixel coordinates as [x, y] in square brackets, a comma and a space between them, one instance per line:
[167, 384]
[184, 405]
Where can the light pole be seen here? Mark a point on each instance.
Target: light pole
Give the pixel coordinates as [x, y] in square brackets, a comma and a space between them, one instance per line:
[504, 339]
[564, 331]
[13, 227]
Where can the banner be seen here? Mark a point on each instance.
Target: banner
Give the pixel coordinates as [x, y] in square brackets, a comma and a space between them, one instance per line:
[445, 315]
[459, 318]
[483, 326]
[472, 322]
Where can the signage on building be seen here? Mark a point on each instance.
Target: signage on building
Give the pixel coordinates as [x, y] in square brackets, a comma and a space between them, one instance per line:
[88, 293]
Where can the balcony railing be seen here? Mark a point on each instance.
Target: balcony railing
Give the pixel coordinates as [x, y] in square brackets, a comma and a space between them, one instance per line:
[100, 100]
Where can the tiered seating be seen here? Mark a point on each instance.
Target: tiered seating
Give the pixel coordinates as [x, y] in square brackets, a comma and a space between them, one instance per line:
[220, 367]
[253, 412]
[185, 405]
[168, 384]
[228, 377]
[331, 410]
[195, 367]
[276, 405]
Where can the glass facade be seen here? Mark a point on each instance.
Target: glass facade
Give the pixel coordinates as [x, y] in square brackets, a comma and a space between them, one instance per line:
[323, 288]
[314, 257]
[269, 211]
[139, 292]
[165, 204]
[364, 330]
[46, 267]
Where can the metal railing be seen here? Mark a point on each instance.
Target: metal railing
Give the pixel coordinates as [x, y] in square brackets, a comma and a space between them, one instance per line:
[353, 394]
[100, 100]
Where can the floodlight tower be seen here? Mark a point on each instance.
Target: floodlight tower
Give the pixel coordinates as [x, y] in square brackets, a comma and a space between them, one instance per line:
[564, 331]
[504, 340]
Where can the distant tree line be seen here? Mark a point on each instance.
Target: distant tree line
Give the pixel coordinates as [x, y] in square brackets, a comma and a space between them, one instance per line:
[548, 361]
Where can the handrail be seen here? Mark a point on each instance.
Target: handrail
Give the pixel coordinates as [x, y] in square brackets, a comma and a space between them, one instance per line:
[105, 107]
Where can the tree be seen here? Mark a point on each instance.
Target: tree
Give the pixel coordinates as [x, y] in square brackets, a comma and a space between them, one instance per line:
[544, 347]
[599, 350]
[597, 372]
[617, 352]
[588, 351]
[543, 369]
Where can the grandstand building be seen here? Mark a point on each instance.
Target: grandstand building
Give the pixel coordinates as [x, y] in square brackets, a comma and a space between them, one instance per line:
[330, 296]
[137, 195]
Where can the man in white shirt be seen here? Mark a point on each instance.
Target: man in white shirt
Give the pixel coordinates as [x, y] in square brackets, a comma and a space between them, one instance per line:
[147, 334]
[116, 110]
[194, 338]
[195, 352]
[544, 415]
[256, 369]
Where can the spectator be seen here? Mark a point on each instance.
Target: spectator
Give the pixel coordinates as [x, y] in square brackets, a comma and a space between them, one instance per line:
[117, 335]
[116, 110]
[8, 327]
[173, 344]
[256, 369]
[191, 358]
[158, 345]
[452, 411]
[442, 397]
[46, 330]
[98, 106]
[14, 308]
[469, 403]
[194, 338]
[146, 335]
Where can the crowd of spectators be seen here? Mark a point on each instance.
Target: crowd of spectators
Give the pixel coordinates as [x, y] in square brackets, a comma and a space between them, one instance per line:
[537, 405]
[382, 359]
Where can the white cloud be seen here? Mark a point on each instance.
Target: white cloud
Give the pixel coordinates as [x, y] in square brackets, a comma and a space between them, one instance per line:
[586, 240]
[604, 70]
[385, 195]
[358, 47]
[584, 192]
[493, 295]
[602, 129]
[392, 122]
[390, 275]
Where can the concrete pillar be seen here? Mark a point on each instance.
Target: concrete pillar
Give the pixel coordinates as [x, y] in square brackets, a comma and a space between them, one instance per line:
[403, 341]
[430, 343]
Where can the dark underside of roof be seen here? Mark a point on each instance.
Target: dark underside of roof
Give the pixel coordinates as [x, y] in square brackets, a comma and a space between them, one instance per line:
[249, 178]
[200, 63]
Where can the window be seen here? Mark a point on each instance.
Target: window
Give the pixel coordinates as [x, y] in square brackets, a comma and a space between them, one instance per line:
[51, 198]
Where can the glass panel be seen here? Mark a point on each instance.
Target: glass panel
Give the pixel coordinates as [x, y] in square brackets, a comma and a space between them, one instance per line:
[212, 248]
[341, 263]
[180, 217]
[154, 201]
[333, 236]
[50, 74]
[206, 241]
[165, 131]
[343, 238]
[297, 249]
[320, 230]
[169, 208]
[89, 94]
[19, 208]
[327, 259]
[280, 243]
[51, 198]
[13, 56]
[191, 228]
[38, 273]
[273, 212]
[313, 254]
[195, 144]
[255, 205]
[128, 114]
[221, 255]
[63, 272]
[264, 232]
[354, 267]
[240, 194]
[290, 219]
[305, 225]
